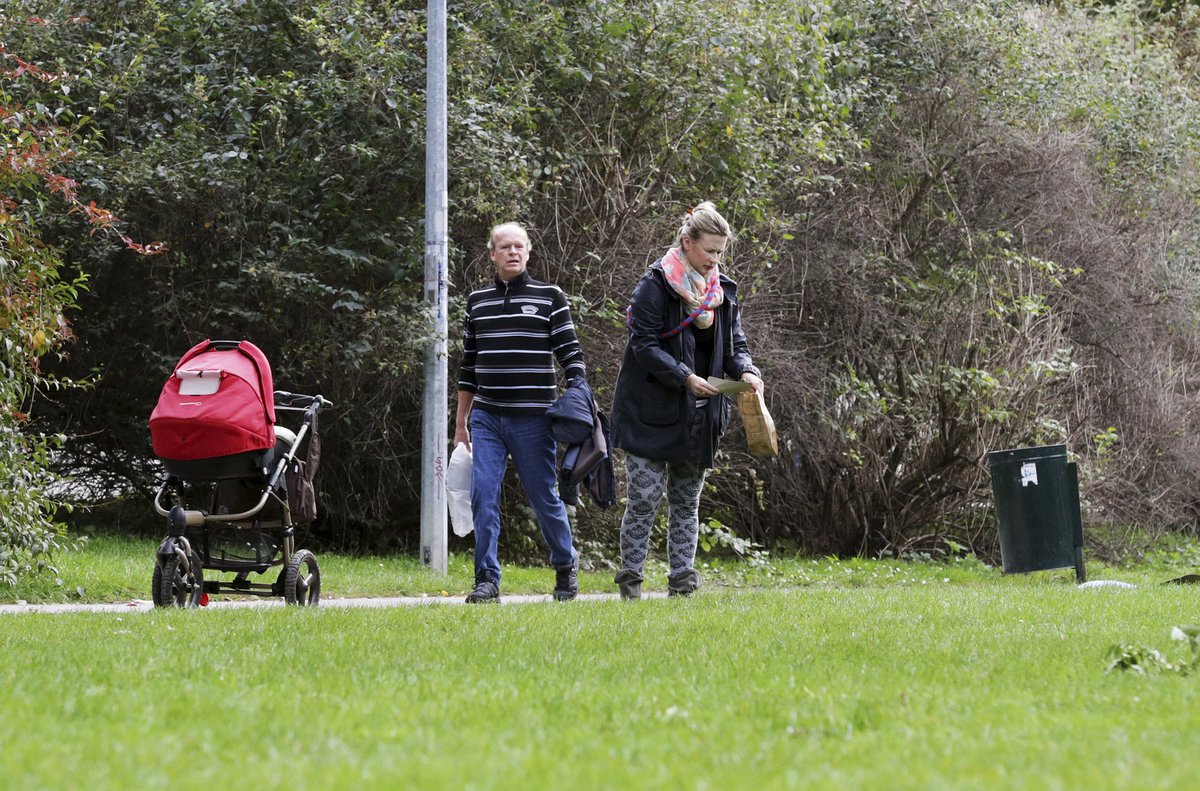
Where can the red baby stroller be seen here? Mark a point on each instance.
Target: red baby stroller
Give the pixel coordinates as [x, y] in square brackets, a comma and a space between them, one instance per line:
[214, 430]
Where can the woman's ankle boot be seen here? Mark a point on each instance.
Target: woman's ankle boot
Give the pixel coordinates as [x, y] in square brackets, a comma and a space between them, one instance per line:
[684, 583]
[630, 583]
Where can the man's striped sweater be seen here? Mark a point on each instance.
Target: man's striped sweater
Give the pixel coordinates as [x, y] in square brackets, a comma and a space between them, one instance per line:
[512, 334]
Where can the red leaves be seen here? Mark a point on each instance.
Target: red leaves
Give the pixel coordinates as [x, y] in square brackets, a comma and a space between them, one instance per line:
[78, 19]
[97, 216]
[29, 158]
[24, 68]
[152, 248]
[42, 145]
[61, 185]
[103, 219]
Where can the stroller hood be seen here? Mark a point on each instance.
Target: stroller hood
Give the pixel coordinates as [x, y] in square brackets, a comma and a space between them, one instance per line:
[219, 401]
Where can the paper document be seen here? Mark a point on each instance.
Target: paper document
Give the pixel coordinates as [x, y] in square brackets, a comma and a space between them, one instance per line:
[728, 385]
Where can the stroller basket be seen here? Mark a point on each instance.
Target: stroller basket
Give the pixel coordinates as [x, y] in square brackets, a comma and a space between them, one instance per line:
[239, 549]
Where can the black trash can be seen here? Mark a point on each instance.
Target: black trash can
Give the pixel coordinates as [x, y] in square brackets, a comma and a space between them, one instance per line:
[1037, 506]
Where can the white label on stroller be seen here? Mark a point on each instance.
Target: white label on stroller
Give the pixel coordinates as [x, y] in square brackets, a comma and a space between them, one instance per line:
[198, 382]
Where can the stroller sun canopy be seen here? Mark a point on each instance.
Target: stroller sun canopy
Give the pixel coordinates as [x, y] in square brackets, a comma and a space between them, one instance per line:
[218, 402]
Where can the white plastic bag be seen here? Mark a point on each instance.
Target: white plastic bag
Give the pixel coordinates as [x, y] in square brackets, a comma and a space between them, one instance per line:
[458, 490]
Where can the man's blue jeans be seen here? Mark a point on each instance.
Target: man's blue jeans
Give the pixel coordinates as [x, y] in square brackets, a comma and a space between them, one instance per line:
[527, 439]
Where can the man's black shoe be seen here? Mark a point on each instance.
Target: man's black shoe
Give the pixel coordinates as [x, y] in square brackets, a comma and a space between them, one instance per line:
[484, 592]
[566, 583]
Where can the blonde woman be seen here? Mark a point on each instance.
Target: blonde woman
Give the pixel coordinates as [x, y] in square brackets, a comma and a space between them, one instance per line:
[684, 326]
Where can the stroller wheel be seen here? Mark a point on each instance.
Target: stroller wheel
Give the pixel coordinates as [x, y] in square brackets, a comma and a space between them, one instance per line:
[302, 580]
[174, 587]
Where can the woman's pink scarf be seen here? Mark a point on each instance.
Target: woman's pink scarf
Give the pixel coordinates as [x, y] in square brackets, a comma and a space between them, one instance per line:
[701, 296]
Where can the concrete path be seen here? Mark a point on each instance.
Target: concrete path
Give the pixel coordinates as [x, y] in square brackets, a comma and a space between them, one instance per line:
[140, 605]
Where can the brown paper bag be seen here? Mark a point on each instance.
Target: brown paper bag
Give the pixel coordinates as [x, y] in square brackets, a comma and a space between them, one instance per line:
[760, 428]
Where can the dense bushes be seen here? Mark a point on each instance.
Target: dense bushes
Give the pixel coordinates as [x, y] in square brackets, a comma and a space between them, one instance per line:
[993, 274]
[37, 143]
[962, 226]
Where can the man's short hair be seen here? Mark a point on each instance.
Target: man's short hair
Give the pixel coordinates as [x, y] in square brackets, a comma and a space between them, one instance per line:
[516, 225]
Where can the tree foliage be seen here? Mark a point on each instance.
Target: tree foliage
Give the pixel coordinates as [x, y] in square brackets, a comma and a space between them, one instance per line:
[961, 227]
[36, 144]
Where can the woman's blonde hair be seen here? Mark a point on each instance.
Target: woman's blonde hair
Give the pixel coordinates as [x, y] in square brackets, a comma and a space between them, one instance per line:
[703, 219]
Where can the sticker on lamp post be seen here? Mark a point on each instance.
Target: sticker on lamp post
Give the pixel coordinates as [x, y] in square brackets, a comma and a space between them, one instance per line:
[1029, 474]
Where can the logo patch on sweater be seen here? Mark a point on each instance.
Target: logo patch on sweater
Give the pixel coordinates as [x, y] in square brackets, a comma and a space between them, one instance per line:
[528, 310]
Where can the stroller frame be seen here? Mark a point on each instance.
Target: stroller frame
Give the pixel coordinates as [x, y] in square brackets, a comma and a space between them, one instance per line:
[179, 563]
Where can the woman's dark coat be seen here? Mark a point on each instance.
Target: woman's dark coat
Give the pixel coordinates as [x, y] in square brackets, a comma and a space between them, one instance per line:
[654, 415]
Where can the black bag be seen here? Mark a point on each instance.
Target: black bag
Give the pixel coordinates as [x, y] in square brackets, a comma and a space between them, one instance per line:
[302, 495]
[602, 481]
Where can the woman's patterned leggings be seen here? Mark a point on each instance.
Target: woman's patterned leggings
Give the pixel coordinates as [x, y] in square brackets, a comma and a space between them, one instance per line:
[645, 480]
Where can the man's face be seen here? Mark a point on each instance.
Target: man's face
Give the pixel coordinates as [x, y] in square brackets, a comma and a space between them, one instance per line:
[510, 252]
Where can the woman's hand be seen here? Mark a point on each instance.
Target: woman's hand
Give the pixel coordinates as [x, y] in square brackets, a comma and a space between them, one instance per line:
[756, 384]
[701, 388]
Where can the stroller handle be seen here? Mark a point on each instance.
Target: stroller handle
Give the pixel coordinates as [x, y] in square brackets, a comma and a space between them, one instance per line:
[286, 399]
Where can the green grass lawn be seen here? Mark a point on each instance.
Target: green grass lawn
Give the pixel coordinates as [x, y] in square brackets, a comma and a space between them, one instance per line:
[988, 685]
[801, 673]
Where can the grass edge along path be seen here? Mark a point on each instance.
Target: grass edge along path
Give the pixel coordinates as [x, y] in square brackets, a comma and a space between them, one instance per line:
[113, 569]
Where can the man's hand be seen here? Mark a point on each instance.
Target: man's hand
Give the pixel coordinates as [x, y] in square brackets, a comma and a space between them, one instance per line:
[462, 413]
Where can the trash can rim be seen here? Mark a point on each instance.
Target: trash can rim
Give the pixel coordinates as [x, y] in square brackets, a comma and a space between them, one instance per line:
[1033, 453]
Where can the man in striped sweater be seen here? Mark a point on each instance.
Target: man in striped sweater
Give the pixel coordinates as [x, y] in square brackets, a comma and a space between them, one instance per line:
[515, 330]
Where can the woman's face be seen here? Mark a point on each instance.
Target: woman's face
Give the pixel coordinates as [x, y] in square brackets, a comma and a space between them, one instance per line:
[704, 253]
